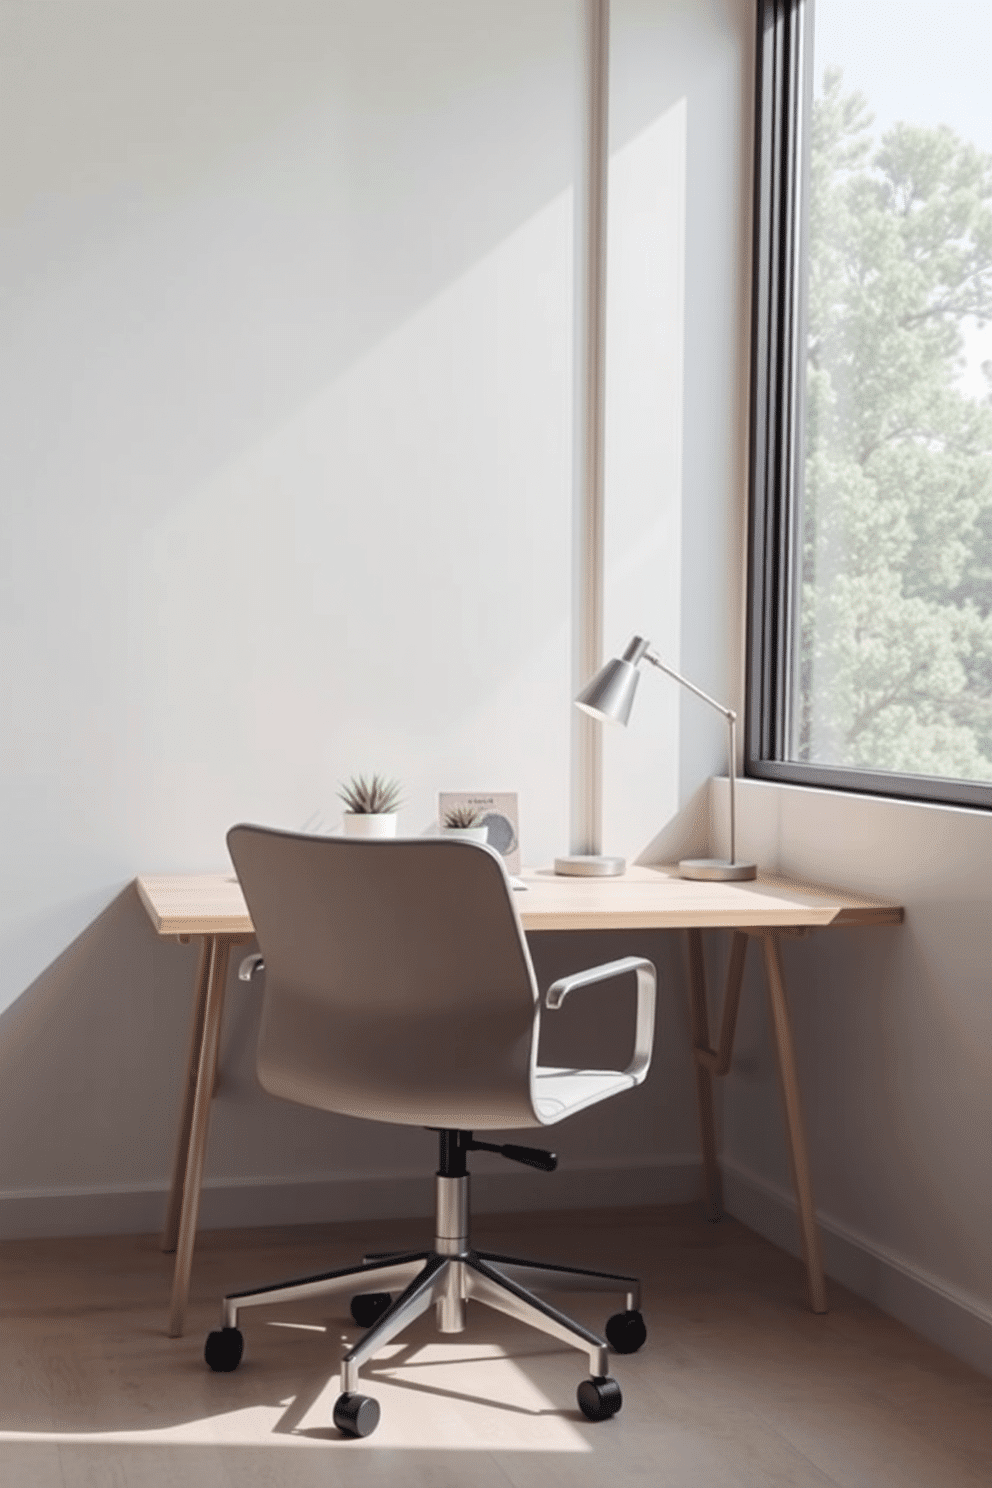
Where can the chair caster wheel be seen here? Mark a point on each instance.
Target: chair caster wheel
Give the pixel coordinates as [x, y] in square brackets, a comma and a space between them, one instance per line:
[368, 1307]
[223, 1349]
[599, 1398]
[625, 1332]
[356, 1415]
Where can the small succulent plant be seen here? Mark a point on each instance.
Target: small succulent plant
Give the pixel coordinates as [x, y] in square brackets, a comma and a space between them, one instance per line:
[462, 816]
[374, 797]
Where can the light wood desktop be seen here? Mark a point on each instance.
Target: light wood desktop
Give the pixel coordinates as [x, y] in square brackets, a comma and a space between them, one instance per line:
[211, 908]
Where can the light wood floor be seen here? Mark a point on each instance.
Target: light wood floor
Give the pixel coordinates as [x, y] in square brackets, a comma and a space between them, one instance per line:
[737, 1384]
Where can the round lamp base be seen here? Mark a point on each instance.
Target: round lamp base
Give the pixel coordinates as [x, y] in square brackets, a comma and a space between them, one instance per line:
[590, 865]
[716, 869]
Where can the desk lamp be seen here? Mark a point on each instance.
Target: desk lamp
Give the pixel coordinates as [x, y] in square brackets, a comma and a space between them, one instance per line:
[610, 697]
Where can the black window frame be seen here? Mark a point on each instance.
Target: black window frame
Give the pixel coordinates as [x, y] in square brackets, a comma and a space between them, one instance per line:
[783, 99]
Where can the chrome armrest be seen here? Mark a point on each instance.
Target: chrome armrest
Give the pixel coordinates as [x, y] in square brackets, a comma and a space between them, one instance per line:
[249, 966]
[647, 986]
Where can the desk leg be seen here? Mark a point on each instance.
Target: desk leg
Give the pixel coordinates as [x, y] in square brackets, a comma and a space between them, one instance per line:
[217, 950]
[704, 1078]
[795, 1127]
[171, 1232]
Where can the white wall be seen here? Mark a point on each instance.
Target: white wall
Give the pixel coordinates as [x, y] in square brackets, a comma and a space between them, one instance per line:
[286, 390]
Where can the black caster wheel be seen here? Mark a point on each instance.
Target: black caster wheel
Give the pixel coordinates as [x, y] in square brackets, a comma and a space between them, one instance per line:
[625, 1332]
[599, 1398]
[223, 1349]
[356, 1415]
[368, 1307]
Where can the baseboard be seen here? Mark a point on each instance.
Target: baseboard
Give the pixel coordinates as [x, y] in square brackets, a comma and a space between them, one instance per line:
[139, 1210]
[947, 1316]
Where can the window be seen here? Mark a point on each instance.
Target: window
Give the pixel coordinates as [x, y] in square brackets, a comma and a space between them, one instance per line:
[870, 657]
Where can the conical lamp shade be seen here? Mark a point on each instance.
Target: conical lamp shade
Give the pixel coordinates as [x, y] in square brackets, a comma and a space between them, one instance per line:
[610, 694]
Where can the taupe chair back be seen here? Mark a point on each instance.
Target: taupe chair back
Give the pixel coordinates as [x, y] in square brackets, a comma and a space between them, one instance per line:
[398, 984]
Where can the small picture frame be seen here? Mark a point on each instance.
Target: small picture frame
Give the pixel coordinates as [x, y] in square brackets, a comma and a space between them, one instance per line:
[498, 813]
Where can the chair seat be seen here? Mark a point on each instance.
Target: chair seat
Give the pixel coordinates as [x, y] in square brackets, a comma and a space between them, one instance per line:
[559, 1092]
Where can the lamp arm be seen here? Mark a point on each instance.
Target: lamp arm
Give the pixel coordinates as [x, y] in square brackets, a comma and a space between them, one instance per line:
[656, 661]
[731, 718]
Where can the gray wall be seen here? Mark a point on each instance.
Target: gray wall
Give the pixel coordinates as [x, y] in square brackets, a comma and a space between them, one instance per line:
[287, 378]
[893, 1032]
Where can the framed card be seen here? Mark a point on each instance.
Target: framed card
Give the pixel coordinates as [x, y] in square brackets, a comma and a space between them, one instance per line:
[497, 811]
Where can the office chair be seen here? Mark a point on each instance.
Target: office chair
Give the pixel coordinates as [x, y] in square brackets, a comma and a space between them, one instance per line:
[399, 988]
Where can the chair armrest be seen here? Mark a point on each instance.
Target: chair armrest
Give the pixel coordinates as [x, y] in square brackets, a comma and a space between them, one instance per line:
[249, 966]
[647, 985]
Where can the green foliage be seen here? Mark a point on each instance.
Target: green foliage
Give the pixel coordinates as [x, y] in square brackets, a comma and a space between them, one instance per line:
[895, 663]
[375, 797]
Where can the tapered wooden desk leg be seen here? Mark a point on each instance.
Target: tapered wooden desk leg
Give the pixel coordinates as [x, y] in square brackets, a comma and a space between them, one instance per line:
[794, 1124]
[170, 1234]
[218, 951]
[704, 1080]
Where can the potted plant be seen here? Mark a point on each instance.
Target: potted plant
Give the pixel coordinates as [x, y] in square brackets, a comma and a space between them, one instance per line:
[465, 823]
[370, 806]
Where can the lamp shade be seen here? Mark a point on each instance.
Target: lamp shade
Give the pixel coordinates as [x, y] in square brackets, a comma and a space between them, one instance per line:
[610, 694]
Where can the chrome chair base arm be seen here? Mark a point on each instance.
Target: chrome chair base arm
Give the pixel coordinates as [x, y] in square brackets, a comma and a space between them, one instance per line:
[418, 1296]
[398, 1270]
[485, 1284]
[540, 1276]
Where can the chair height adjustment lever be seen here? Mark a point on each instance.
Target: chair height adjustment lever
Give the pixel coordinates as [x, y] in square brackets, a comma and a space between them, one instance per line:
[532, 1157]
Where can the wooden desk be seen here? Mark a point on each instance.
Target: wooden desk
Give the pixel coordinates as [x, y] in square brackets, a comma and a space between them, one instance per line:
[211, 907]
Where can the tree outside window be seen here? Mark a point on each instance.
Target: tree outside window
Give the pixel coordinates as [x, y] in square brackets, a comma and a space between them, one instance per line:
[893, 656]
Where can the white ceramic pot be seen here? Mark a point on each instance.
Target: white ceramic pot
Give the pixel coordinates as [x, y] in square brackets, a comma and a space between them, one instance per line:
[467, 834]
[369, 823]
